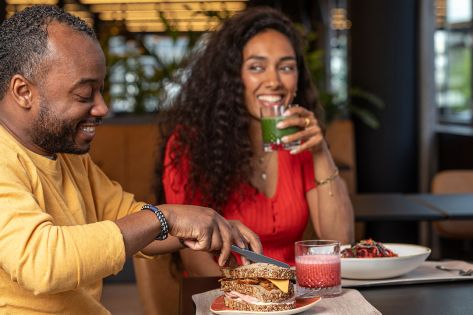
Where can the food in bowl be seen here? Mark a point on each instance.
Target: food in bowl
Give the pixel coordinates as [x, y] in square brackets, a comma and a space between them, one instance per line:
[409, 258]
[367, 249]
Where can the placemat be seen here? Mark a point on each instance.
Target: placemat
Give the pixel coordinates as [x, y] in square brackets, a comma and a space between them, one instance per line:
[426, 272]
[349, 302]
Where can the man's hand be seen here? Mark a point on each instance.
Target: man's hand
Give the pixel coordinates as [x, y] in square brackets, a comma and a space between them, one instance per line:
[202, 228]
[198, 228]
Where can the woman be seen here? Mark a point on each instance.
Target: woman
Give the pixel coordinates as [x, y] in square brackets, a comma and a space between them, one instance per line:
[213, 153]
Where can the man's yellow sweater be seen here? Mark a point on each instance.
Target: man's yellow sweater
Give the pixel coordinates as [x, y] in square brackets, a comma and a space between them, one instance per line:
[57, 238]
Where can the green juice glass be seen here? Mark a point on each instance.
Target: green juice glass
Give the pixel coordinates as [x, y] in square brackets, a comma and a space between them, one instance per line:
[270, 116]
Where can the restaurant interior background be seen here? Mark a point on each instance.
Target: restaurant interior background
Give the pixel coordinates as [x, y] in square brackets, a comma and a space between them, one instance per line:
[399, 71]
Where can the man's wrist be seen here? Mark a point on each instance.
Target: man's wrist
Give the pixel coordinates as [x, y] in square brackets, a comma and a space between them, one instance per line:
[163, 234]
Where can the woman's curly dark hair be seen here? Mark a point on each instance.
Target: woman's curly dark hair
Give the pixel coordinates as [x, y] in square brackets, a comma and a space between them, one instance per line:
[210, 109]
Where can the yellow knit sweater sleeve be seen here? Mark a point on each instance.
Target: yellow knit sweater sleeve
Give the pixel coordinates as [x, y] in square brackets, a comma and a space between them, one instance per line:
[56, 229]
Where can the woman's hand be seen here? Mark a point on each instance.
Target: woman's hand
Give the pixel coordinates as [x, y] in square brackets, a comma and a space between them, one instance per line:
[311, 135]
[249, 238]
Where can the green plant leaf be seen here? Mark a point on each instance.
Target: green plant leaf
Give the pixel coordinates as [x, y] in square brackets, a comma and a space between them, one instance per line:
[368, 118]
[370, 97]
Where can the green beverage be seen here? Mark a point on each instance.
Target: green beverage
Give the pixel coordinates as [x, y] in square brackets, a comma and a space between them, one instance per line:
[272, 135]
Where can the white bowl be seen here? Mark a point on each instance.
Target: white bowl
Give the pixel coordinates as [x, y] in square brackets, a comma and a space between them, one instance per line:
[410, 257]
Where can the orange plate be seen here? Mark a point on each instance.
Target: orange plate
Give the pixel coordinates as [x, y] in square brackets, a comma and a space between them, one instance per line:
[218, 307]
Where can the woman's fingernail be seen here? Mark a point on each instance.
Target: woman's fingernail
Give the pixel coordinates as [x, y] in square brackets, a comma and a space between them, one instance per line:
[284, 139]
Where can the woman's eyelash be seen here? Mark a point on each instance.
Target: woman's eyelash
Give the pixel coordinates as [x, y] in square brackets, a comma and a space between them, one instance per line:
[255, 67]
[288, 68]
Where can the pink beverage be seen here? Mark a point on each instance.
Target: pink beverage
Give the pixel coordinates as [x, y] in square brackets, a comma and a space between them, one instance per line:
[318, 271]
[318, 268]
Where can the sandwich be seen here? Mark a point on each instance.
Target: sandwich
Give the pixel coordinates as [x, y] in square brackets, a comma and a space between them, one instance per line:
[258, 287]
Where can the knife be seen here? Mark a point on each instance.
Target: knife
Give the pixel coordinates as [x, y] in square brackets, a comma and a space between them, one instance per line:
[255, 257]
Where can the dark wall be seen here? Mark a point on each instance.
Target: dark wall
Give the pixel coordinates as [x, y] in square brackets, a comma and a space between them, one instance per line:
[306, 12]
[383, 61]
[454, 151]
[3, 11]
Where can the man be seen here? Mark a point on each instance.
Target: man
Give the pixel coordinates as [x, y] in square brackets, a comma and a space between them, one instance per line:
[64, 225]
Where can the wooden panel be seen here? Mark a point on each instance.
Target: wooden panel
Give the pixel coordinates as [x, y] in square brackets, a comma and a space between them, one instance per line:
[107, 151]
[140, 159]
[341, 139]
[126, 153]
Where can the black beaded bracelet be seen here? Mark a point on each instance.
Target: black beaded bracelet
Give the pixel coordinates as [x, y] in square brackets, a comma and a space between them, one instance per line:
[162, 220]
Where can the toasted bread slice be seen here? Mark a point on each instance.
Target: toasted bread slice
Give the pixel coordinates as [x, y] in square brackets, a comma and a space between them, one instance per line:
[259, 270]
[244, 306]
[269, 293]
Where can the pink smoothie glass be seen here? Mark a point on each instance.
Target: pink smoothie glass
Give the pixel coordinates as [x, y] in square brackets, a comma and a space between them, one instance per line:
[318, 268]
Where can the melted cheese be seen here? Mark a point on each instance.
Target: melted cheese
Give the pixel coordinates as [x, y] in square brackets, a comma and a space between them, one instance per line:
[283, 285]
[234, 295]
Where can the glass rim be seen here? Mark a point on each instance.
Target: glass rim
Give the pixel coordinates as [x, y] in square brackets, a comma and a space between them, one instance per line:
[317, 243]
[274, 108]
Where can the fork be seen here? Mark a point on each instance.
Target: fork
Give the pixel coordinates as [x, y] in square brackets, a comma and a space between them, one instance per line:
[461, 272]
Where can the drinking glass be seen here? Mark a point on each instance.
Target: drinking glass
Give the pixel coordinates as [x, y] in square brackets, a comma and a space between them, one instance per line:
[318, 268]
[270, 116]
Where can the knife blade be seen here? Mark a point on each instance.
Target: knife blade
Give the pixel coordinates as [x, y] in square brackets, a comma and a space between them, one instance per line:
[255, 257]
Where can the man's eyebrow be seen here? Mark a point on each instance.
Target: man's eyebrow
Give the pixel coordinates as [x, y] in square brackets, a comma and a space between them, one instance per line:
[85, 81]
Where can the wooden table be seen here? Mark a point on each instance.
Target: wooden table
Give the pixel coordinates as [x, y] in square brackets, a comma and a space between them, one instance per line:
[452, 206]
[393, 207]
[397, 207]
[412, 207]
[417, 299]
[423, 208]
[433, 298]
[414, 299]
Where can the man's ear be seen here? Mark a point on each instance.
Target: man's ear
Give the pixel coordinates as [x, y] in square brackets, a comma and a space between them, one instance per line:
[21, 90]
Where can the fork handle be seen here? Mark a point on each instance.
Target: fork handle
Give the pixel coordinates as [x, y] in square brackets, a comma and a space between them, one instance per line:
[446, 268]
[461, 272]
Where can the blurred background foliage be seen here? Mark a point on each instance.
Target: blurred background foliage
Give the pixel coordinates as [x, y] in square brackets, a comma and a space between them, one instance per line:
[142, 80]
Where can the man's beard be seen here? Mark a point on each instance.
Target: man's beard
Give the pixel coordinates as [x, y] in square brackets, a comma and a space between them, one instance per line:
[55, 135]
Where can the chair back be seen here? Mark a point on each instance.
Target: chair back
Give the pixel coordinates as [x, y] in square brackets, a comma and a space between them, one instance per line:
[158, 285]
[454, 182]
